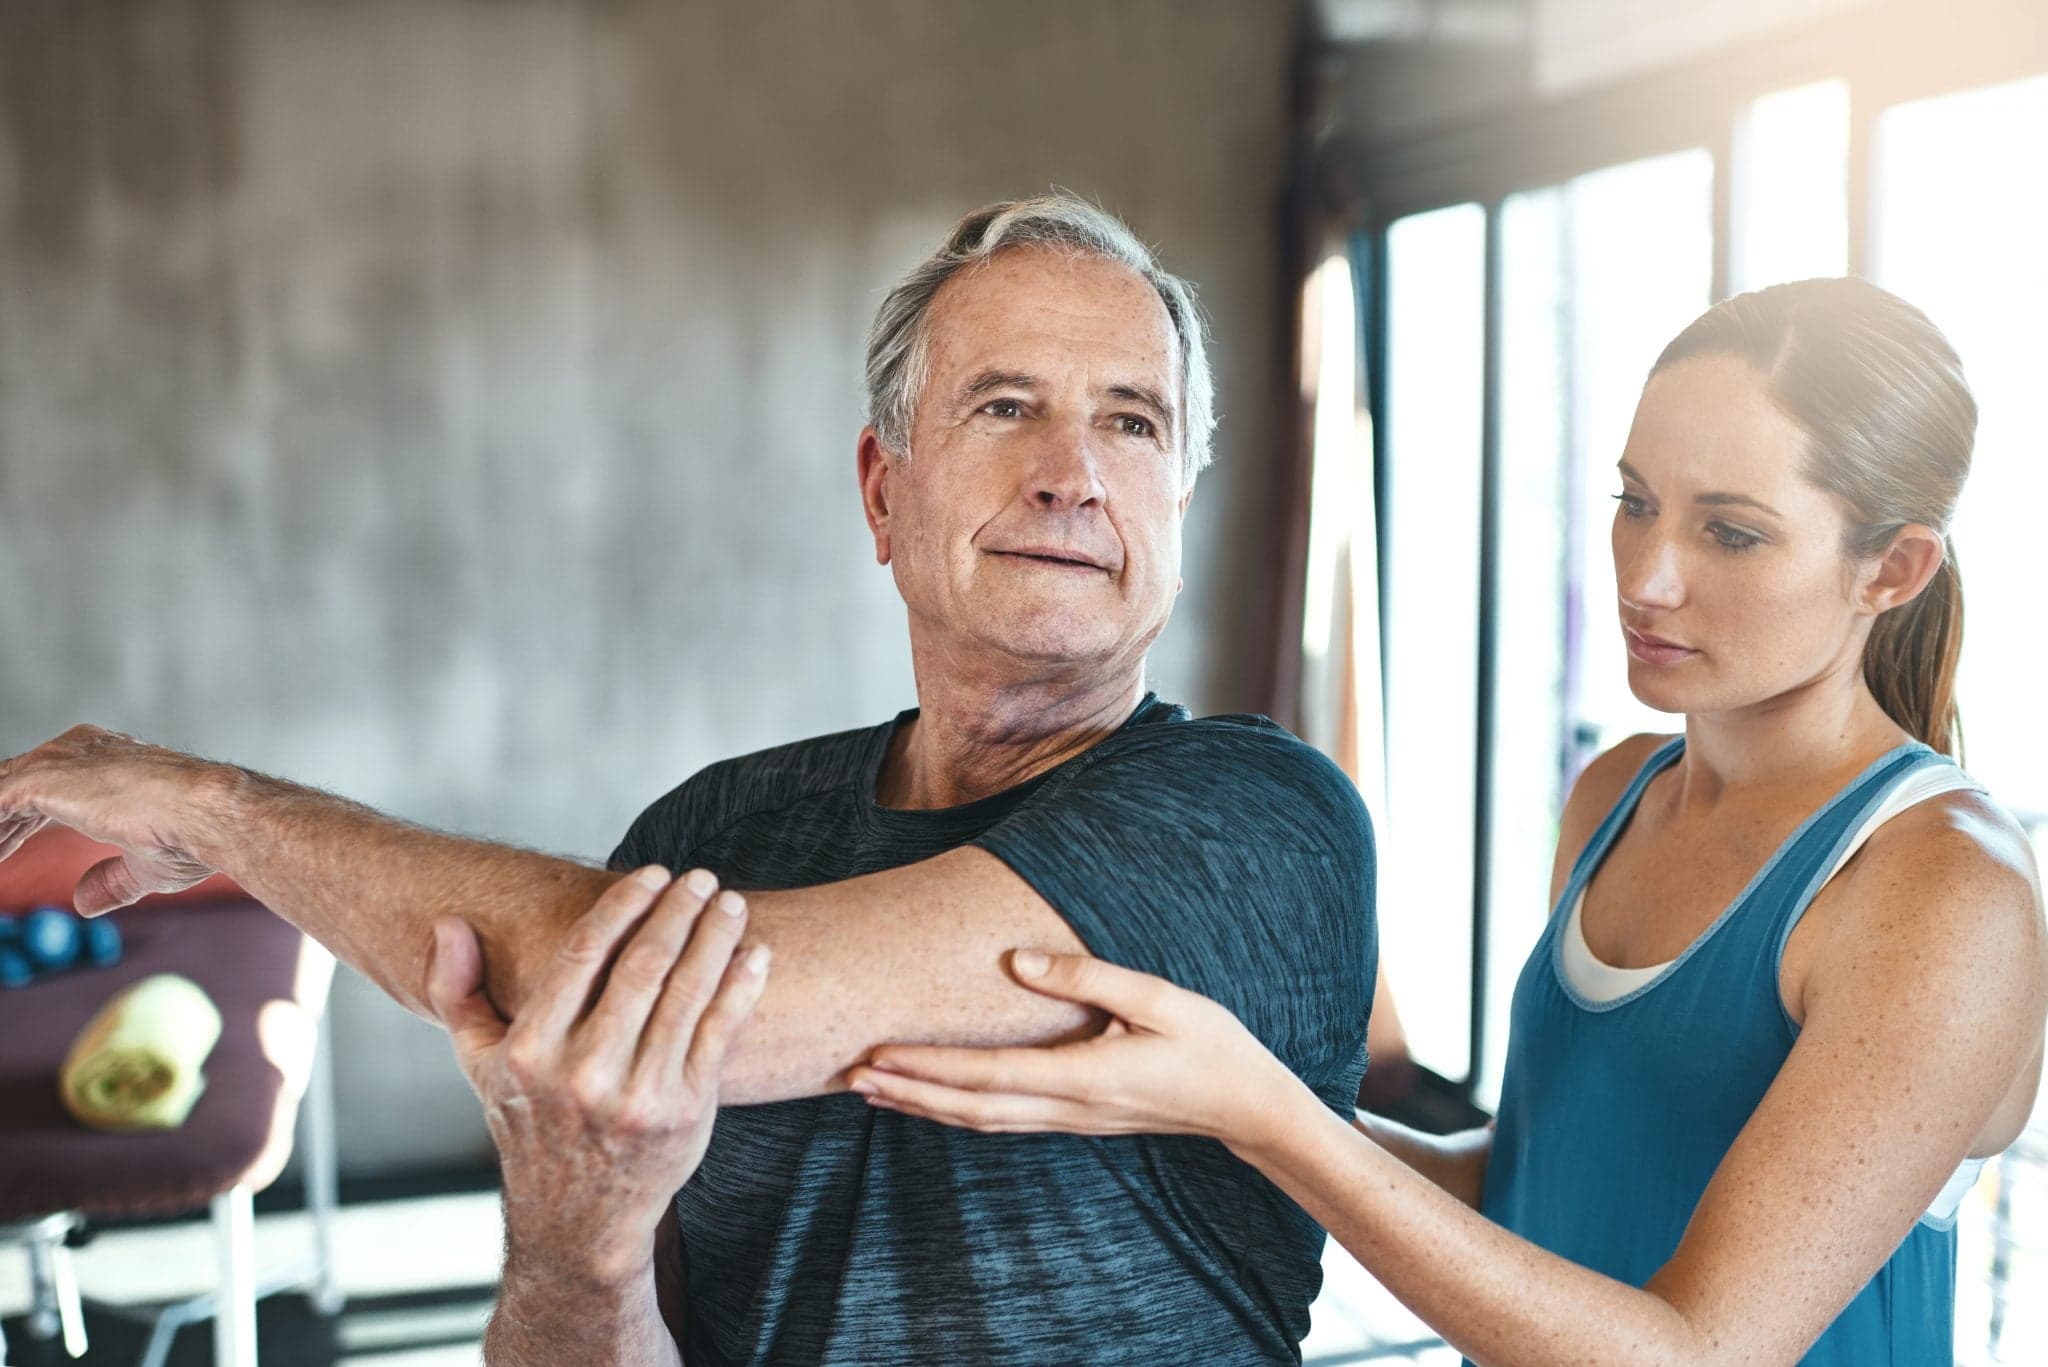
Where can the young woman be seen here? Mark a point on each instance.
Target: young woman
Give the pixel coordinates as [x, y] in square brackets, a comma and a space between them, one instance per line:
[1792, 989]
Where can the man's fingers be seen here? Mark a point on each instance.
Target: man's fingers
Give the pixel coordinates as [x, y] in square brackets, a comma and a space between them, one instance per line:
[1139, 998]
[697, 1055]
[455, 990]
[647, 966]
[558, 999]
[15, 832]
[107, 885]
[694, 982]
[1060, 1071]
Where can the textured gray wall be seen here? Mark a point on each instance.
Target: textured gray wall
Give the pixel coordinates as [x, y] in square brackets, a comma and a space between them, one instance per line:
[453, 403]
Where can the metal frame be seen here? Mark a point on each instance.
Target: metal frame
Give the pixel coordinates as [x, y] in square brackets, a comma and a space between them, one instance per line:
[1886, 56]
[57, 1308]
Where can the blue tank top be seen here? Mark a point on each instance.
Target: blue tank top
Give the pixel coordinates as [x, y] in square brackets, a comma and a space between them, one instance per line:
[1614, 1115]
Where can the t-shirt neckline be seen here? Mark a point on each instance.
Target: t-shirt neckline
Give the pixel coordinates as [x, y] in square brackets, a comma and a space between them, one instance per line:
[968, 812]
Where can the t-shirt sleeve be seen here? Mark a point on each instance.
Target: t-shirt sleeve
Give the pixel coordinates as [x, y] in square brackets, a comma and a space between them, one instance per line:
[1227, 857]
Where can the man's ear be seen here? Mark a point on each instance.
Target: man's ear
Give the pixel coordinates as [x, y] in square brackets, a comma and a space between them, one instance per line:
[1903, 569]
[1186, 499]
[875, 463]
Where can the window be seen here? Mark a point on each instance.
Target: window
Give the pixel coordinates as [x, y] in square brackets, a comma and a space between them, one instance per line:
[1961, 214]
[1436, 340]
[1791, 193]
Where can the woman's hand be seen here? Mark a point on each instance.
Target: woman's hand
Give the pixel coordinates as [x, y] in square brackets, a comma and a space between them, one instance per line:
[600, 1115]
[1169, 1062]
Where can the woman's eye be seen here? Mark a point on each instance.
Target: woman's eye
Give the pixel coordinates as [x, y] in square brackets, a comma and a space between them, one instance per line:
[1003, 408]
[1132, 425]
[1730, 538]
[1632, 505]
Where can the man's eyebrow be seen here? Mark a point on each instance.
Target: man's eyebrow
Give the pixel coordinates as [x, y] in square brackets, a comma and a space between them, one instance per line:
[1147, 396]
[989, 380]
[1715, 500]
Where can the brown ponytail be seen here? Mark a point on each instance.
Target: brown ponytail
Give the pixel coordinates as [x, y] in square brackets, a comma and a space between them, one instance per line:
[1910, 661]
[1880, 393]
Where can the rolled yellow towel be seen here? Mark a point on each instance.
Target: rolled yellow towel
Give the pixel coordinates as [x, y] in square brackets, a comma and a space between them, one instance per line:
[136, 1064]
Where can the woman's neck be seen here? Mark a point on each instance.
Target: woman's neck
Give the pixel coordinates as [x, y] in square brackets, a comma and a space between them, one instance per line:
[1810, 735]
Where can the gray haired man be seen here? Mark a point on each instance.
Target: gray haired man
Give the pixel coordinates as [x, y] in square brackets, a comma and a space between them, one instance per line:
[1039, 409]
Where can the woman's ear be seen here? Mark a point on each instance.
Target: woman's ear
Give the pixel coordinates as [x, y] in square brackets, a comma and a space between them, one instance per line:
[1902, 569]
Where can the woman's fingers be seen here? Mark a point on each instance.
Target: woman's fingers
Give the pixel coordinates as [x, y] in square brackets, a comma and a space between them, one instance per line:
[455, 990]
[559, 997]
[1139, 998]
[991, 1112]
[692, 982]
[1060, 1071]
[649, 961]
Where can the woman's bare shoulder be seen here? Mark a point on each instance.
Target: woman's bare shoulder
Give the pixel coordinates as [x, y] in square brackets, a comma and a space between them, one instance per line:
[1964, 840]
[1598, 787]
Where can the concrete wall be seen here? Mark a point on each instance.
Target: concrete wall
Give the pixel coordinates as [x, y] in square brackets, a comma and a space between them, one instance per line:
[453, 403]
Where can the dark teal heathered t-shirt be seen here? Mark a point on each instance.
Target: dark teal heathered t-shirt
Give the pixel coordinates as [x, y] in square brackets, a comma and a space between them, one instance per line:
[1221, 853]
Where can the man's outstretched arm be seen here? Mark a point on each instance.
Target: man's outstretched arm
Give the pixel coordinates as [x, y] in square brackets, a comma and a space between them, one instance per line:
[913, 954]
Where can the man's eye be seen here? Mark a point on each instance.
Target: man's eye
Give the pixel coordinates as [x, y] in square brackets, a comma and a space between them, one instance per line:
[1003, 408]
[1131, 425]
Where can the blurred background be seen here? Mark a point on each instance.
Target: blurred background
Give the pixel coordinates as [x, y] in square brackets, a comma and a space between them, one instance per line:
[452, 403]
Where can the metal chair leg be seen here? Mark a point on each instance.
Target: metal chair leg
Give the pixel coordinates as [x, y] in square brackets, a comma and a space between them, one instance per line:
[54, 1307]
[322, 1181]
[234, 1323]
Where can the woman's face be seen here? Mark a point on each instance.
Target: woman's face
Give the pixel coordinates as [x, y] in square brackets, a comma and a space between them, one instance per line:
[1732, 583]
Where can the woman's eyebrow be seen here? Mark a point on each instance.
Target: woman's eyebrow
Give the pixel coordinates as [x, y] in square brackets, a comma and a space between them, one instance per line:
[1714, 500]
[1736, 501]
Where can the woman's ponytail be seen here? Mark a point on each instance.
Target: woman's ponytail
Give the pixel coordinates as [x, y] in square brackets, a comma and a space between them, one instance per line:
[1910, 661]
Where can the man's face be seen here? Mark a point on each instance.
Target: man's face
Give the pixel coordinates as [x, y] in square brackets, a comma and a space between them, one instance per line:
[1035, 526]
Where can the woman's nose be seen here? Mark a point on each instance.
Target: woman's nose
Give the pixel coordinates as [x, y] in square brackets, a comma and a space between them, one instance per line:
[1648, 575]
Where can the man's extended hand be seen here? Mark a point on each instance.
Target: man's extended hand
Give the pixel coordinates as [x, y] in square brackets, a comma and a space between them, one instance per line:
[600, 1114]
[150, 802]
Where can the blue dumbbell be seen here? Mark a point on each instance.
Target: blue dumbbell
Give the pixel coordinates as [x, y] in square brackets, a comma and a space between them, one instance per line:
[50, 938]
[102, 943]
[10, 932]
[15, 970]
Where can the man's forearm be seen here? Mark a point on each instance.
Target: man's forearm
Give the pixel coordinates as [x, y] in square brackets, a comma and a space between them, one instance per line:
[370, 887]
[542, 1321]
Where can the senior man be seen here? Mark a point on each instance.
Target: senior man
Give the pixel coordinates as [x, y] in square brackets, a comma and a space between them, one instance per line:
[1039, 409]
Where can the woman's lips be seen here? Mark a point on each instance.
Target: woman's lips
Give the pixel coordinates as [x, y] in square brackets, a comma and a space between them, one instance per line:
[1653, 651]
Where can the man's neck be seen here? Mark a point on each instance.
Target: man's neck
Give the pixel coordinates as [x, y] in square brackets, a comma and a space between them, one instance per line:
[974, 738]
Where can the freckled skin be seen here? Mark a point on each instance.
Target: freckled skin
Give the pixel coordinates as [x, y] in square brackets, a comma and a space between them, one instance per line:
[1768, 621]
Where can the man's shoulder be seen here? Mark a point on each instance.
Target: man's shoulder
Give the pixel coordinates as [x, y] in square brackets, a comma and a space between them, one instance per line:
[729, 789]
[1230, 776]
[1228, 747]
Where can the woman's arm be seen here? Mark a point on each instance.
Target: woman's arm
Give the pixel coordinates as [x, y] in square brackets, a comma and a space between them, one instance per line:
[1455, 1162]
[1924, 1009]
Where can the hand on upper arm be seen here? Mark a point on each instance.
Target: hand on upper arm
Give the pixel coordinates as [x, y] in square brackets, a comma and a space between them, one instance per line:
[1924, 1004]
[912, 955]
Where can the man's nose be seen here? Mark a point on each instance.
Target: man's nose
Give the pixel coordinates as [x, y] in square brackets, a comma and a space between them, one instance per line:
[1066, 473]
[1650, 575]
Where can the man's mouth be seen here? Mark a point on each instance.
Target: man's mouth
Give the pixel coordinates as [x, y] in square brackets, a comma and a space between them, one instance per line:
[1055, 556]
